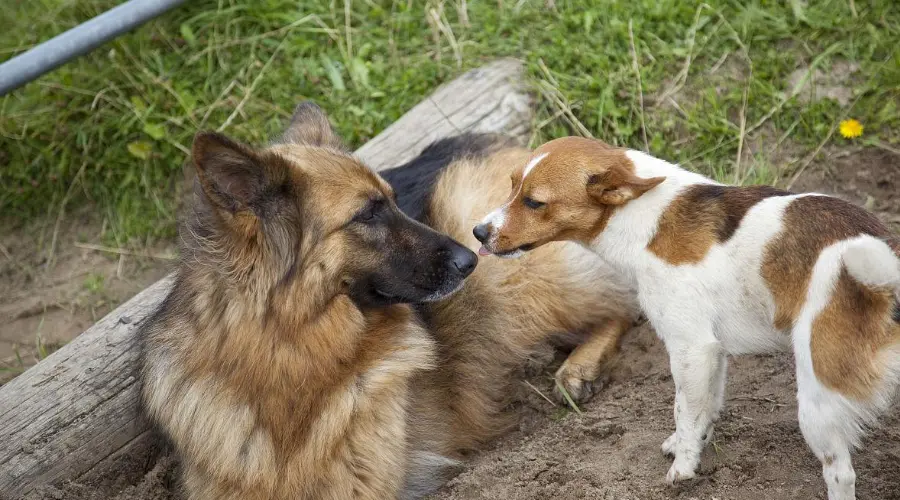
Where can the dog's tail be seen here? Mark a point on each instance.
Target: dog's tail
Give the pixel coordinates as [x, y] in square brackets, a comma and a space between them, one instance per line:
[426, 473]
[876, 266]
[874, 263]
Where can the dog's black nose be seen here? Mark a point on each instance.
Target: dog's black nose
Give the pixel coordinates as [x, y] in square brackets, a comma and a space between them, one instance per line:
[464, 260]
[481, 232]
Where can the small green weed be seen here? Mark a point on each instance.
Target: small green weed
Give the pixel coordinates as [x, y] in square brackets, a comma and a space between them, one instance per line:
[94, 283]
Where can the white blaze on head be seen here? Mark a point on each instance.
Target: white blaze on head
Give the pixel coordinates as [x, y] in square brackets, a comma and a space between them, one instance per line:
[533, 163]
[496, 218]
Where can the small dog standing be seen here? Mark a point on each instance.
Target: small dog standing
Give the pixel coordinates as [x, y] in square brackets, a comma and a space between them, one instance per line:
[728, 270]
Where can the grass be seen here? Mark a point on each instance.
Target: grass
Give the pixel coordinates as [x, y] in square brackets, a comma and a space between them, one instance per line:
[94, 283]
[703, 84]
[567, 397]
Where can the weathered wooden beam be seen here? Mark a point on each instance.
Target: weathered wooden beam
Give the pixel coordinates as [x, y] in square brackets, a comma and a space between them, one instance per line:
[483, 100]
[78, 408]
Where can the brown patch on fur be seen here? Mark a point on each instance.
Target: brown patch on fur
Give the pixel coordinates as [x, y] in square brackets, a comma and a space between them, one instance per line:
[848, 335]
[580, 183]
[811, 223]
[702, 216]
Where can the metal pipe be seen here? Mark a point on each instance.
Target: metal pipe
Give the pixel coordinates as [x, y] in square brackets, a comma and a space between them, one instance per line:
[79, 40]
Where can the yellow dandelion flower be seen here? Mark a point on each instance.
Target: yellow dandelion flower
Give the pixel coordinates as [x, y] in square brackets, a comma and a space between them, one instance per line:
[851, 128]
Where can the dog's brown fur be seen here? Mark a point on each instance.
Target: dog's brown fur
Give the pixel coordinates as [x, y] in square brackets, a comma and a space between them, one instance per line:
[569, 164]
[847, 335]
[273, 380]
[789, 259]
[702, 216]
[857, 323]
[513, 305]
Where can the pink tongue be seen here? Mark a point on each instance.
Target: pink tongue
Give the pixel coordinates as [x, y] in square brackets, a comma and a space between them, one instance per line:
[483, 251]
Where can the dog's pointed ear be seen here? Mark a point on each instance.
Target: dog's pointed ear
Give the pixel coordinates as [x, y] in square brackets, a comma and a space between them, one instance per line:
[231, 174]
[615, 188]
[310, 126]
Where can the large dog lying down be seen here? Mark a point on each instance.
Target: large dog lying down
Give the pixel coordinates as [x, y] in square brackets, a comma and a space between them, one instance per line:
[287, 363]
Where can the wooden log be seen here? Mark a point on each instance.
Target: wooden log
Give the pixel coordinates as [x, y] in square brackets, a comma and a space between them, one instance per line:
[78, 409]
[482, 100]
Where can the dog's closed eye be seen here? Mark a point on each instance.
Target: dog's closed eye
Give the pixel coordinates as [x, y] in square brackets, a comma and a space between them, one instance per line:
[532, 203]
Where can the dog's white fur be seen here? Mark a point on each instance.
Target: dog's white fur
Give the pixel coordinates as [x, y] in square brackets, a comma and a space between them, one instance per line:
[533, 163]
[721, 305]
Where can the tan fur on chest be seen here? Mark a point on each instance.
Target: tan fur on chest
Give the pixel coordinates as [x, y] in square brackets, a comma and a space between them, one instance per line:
[251, 400]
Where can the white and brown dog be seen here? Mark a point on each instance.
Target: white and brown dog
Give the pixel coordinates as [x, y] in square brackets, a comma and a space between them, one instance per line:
[728, 270]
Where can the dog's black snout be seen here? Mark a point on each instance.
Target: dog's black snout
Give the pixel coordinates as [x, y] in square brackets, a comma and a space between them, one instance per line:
[481, 232]
[464, 260]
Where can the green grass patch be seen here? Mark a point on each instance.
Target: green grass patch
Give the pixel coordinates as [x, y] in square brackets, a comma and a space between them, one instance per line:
[113, 128]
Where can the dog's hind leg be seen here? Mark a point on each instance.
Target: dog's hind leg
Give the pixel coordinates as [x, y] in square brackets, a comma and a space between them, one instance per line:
[830, 428]
[578, 373]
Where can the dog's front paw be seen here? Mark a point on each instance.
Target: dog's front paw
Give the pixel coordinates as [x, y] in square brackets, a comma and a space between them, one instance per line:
[570, 378]
[668, 446]
[680, 472]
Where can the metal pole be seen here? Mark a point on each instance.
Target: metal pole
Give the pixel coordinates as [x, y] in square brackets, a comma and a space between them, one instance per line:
[78, 41]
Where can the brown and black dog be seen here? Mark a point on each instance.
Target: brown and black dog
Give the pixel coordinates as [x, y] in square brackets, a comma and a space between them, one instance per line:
[304, 351]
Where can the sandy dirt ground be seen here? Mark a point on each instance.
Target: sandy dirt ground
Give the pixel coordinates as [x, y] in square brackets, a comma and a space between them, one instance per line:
[56, 280]
[608, 451]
